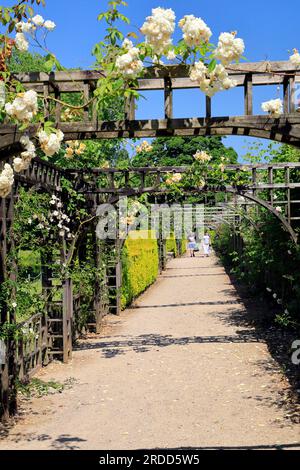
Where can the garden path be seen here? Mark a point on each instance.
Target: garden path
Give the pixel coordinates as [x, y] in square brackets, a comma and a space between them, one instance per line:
[179, 369]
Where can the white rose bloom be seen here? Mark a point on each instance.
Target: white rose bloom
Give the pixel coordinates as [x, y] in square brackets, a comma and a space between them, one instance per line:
[38, 20]
[24, 107]
[229, 48]
[202, 156]
[159, 28]
[273, 107]
[18, 165]
[295, 58]
[211, 82]
[129, 64]
[127, 44]
[171, 55]
[195, 31]
[21, 42]
[23, 27]
[278, 209]
[50, 25]
[6, 180]
[50, 144]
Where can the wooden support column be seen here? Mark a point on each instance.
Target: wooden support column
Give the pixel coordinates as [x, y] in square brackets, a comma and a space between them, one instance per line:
[4, 371]
[168, 98]
[86, 98]
[67, 306]
[58, 106]
[8, 371]
[208, 107]
[130, 108]
[46, 101]
[271, 180]
[288, 193]
[248, 94]
[114, 275]
[286, 96]
[292, 97]
[12, 345]
[100, 293]
[162, 247]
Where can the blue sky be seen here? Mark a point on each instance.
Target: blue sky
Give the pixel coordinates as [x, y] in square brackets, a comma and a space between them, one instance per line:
[268, 27]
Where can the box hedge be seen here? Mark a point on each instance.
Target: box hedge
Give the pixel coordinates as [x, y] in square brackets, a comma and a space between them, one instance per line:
[139, 265]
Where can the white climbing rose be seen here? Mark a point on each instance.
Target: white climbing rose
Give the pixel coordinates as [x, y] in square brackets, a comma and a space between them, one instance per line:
[129, 64]
[23, 27]
[295, 58]
[50, 143]
[273, 107]
[18, 165]
[38, 20]
[24, 107]
[50, 25]
[159, 28]
[195, 31]
[211, 82]
[171, 55]
[21, 42]
[6, 180]
[229, 48]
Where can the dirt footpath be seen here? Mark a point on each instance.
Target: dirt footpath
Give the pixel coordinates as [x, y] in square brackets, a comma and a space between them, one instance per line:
[174, 371]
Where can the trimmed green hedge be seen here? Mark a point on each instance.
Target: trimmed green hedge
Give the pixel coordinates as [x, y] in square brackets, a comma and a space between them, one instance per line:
[139, 265]
[171, 245]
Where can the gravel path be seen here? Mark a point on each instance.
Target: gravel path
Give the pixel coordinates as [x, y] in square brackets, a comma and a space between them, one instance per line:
[174, 371]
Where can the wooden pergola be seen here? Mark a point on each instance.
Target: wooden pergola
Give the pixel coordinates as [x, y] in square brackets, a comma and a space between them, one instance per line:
[55, 327]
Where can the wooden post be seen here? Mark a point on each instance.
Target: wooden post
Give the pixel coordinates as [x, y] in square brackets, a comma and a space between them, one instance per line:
[46, 101]
[58, 107]
[4, 377]
[292, 97]
[248, 93]
[286, 96]
[67, 304]
[270, 180]
[288, 191]
[86, 98]
[114, 276]
[168, 98]
[97, 295]
[130, 108]
[208, 107]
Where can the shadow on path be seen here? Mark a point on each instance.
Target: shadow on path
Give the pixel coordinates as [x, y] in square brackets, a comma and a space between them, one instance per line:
[144, 343]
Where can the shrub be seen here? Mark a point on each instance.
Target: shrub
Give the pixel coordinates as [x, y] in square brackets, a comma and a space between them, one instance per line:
[139, 265]
[171, 245]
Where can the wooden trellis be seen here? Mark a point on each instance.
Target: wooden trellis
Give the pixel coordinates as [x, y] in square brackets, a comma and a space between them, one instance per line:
[167, 80]
[266, 181]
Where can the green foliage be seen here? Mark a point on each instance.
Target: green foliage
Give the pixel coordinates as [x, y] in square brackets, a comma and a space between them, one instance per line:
[96, 155]
[171, 245]
[140, 265]
[39, 388]
[179, 151]
[268, 263]
[22, 62]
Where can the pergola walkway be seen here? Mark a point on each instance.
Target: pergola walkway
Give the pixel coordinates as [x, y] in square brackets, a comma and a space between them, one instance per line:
[178, 370]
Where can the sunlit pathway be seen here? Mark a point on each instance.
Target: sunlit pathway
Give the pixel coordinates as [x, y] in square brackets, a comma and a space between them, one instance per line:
[176, 371]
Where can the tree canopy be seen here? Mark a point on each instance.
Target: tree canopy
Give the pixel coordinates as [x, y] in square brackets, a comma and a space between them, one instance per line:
[180, 151]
